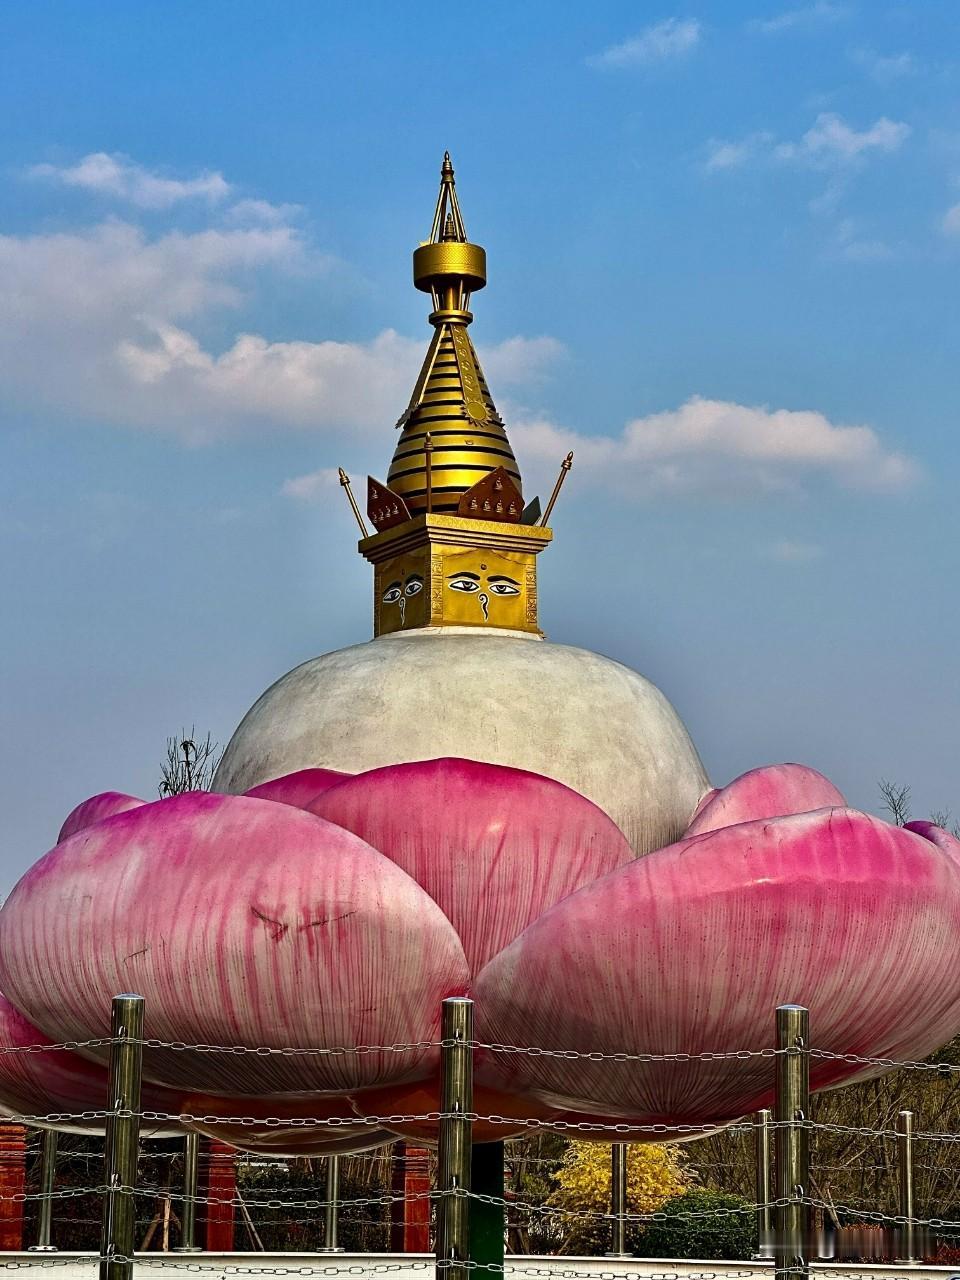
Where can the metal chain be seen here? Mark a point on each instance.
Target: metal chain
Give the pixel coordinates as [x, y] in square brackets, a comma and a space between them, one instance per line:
[654, 1216]
[941, 1068]
[167, 1193]
[287, 1051]
[238, 1269]
[533, 1051]
[389, 1121]
[98, 1043]
[740, 1055]
[69, 1193]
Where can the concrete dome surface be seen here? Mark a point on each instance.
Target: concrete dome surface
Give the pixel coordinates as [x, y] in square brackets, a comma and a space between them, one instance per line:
[572, 715]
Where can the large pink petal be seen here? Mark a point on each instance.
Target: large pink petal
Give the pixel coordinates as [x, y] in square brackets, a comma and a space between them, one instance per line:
[241, 922]
[299, 1144]
[494, 846]
[298, 788]
[773, 791]
[95, 810]
[691, 949]
[60, 1084]
[936, 835]
[283, 1126]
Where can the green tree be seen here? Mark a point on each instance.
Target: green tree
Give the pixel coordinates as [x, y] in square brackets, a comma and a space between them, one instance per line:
[727, 1229]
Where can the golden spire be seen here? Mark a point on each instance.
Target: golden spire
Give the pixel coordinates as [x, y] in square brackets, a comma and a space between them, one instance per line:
[453, 544]
[451, 401]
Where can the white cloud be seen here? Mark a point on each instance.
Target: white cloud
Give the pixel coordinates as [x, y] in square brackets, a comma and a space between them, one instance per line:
[720, 449]
[73, 304]
[887, 68]
[519, 361]
[118, 176]
[724, 154]
[316, 385]
[788, 551]
[806, 16]
[313, 485]
[951, 221]
[251, 212]
[854, 247]
[670, 38]
[831, 141]
[101, 322]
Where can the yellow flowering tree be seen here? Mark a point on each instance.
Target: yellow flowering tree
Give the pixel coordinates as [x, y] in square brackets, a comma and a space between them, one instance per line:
[654, 1175]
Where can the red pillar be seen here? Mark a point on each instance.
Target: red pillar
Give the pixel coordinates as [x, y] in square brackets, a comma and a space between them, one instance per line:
[218, 1176]
[410, 1217]
[13, 1181]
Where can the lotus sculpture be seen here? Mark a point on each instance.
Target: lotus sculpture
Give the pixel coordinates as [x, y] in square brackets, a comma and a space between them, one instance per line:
[325, 916]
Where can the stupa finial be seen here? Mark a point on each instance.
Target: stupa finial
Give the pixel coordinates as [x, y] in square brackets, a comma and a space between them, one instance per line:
[454, 543]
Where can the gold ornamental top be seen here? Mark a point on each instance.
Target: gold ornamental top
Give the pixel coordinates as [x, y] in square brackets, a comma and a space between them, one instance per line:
[453, 542]
[451, 402]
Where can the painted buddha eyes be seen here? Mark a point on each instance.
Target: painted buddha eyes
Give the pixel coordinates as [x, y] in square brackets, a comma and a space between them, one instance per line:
[499, 584]
[397, 590]
[482, 586]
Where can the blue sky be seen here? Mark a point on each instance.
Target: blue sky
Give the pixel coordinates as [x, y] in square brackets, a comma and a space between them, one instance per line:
[723, 247]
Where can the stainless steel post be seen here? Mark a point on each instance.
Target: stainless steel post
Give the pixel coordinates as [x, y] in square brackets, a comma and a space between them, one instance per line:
[456, 1138]
[122, 1139]
[792, 1164]
[188, 1207]
[48, 1174]
[908, 1227]
[331, 1217]
[618, 1200]
[764, 1211]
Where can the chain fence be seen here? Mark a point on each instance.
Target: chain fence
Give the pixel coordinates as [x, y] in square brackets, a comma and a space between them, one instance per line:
[854, 1179]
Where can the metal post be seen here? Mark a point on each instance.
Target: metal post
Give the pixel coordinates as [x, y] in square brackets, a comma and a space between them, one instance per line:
[331, 1217]
[618, 1200]
[908, 1227]
[188, 1207]
[123, 1138]
[456, 1137]
[792, 1165]
[764, 1211]
[48, 1174]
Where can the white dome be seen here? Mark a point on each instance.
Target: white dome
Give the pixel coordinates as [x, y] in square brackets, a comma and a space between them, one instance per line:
[505, 699]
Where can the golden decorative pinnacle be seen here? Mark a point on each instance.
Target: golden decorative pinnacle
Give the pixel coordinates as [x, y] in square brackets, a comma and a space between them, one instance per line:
[448, 266]
[451, 400]
[454, 544]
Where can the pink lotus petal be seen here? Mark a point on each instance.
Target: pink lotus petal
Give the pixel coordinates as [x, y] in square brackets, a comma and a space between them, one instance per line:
[241, 922]
[95, 810]
[692, 948]
[221, 1118]
[302, 1143]
[774, 791]
[936, 835]
[60, 1082]
[493, 846]
[493, 1110]
[299, 788]
[704, 801]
